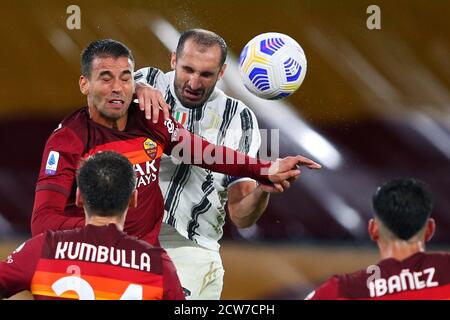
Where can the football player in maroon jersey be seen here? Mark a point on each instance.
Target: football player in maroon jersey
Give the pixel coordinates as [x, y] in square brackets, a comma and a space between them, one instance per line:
[112, 121]
[97, 261]
[401, 226]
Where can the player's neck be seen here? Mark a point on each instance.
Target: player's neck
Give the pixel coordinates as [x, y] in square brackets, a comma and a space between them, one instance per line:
[399, 249]
[116, 124]
[104, 221]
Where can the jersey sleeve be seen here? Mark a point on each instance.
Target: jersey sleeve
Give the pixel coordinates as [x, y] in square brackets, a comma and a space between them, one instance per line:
[193, 149]
[171, 282]
[17, 271]
[243, 135]
[167, 131]
[48, 213]
[327, 291]
[60, 161]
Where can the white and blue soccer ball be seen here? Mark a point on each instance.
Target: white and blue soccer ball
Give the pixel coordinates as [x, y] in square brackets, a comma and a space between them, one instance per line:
[272, 66]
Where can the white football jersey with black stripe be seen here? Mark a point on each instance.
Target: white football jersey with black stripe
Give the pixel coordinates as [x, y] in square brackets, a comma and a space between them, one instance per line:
[195, 197]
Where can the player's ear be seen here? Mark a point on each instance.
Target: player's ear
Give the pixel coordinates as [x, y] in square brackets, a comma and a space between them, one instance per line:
[79, 199]
[133, 199]
[222, 71]
[430, 228]
[373, 229]
[173, 60]
[84, 85]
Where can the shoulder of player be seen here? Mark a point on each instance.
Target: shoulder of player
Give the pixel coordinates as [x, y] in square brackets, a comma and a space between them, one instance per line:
[438, 254]
[419, 260]
[78, 116]
[340, 287]
[346, 278]
[239, 115]
[227, 103]
[149, 74]
[327, 290]
[65, 138]
[437, 258]
[344, 286]
[53, 236]
[32, 245]
[71, 127]
[334, 281]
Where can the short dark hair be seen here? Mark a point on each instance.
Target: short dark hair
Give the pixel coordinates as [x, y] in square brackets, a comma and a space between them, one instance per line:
[106, 181]
[403, 206]
[102, 48]
[203, 37]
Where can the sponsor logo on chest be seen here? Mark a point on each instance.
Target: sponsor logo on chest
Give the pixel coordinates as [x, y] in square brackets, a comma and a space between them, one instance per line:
[146, 173]
[142, 152]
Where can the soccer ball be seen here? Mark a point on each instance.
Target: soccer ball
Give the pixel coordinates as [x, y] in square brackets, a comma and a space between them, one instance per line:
[272, 66]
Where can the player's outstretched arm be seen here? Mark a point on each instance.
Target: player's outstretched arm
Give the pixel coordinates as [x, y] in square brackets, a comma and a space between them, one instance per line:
[48, 213]
[286, 170]
[17, 271]
[192, 149]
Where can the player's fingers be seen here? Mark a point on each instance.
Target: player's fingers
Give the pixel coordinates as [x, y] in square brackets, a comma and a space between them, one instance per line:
[141, 100]
[288, 163]
[285, 184]
[278, 187]
[148, 107]
[292, 179]
[165, 107]
[286, 175]
[155, 109]
[268, 188]
[307, 162]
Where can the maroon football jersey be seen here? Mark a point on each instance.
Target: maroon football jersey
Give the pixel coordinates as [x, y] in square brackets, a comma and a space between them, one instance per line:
[93, 262]
[420, 276]
[142, 142]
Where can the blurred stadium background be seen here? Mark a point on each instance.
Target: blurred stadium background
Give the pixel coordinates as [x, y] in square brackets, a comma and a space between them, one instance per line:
[375, 105]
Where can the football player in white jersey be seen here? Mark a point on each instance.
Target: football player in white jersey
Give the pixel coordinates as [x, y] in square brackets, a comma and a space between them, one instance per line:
[195, 198]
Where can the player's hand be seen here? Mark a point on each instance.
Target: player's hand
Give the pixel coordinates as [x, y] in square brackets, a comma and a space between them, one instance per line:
[279, 187]
[151, 101]
[284, 172]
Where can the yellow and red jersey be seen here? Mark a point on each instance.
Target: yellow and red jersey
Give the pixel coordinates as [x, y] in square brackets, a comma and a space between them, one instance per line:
[101, 263]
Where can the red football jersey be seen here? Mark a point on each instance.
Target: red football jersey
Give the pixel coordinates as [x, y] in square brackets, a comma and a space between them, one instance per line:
[101, 263]
[142, 142]
[420, 276]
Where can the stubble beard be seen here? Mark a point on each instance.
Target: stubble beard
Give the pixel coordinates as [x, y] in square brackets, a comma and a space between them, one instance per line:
[191, 105]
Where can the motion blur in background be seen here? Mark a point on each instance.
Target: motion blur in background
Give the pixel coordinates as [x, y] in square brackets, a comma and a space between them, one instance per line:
[375, 105]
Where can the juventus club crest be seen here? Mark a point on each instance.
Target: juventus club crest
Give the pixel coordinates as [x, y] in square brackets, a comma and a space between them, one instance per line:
[150, 148]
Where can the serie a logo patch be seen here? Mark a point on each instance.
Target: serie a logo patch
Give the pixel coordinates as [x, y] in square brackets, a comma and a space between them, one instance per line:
[52, 163]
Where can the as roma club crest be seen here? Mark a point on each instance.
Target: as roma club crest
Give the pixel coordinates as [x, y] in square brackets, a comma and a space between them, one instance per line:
[150, 148]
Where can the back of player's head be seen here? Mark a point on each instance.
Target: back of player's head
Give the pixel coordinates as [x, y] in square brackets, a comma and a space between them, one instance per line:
[205, 38]
[106, 182]
[101, 49]
[403, 206]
